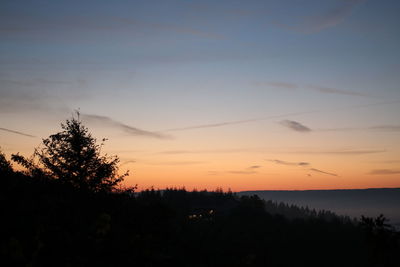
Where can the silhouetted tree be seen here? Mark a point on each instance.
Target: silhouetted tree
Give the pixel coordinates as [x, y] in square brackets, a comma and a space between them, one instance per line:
[72, 156]
[383, 240]
[5, 165]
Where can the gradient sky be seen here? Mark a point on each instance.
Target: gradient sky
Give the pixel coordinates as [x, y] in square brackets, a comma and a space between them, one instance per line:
[247, 95]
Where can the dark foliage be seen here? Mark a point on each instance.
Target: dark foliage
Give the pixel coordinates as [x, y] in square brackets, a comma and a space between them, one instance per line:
[72, 156]
[47, 223]
[294, 212]
[382, 239]
[5, 165]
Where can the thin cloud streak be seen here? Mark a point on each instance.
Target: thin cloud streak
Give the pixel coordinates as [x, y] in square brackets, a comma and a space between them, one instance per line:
[354, 152]
[220, 124]
[254, 167]
[388, 161]
[79, 25]
[38, 95]
[323, 172]
[172, 28]
[228, 123]
[315, 88]
[329, 90]
[282, 162]
[393, 128]
[41, 82]
[166, 163]
[127, 162]
[383, 128]
[295, 126]
[330, 18]
[242, 172]
[340, 152]
[384, 172]
[17, 132]
[210, 151]
[301, 164]
[374, 104]
[126, 128]
[175, 163]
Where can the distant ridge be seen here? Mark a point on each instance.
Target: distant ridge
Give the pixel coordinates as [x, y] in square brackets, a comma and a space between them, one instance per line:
[351, 202]
[307, 190]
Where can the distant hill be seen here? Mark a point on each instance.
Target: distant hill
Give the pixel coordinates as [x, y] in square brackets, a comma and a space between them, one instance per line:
[350, 202]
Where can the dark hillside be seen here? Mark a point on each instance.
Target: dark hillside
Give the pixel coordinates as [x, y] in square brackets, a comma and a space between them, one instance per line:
[353, 203]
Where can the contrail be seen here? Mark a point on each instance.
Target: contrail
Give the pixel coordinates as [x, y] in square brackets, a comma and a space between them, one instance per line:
[16, 132]
[227, 123]
[126, 128]
[213, 125]
[323, 172]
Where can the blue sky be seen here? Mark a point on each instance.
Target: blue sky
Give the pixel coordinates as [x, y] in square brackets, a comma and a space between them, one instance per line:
[160, 65]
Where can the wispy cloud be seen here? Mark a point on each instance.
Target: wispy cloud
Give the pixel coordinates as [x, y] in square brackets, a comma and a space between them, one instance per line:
[161, 163]
[247, 171]
[387, 161]
[301, 164]
[41, 82]
[394, 128]
[330, 18]
[205, 151]
[282, 162]
[323, 172]
[226, 123]
[378, 128]
[207, 9]
[316, 88]
[211, 151]
[78, 25]
[330, 90]
[291, 124]
[387, 102]
[327, 19]
[126, 128]
[254, 167]
[242, 172]
[16, 132]
[264, 150]
[339, 152]
[38, 94]
[384, 172]
[295, 126]
[175, 163]
[178, 152]
[168, 27]
[127, 162]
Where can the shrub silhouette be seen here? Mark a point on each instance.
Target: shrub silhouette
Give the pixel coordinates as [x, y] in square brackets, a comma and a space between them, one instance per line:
[73, 157]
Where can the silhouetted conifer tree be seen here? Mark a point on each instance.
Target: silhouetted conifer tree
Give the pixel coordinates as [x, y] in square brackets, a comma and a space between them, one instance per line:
[72, 156]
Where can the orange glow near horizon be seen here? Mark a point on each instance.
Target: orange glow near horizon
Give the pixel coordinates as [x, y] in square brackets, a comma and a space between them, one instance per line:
[211, 164]
[238, 174]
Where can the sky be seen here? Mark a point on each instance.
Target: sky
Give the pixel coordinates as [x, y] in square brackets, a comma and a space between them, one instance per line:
[241, 95]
